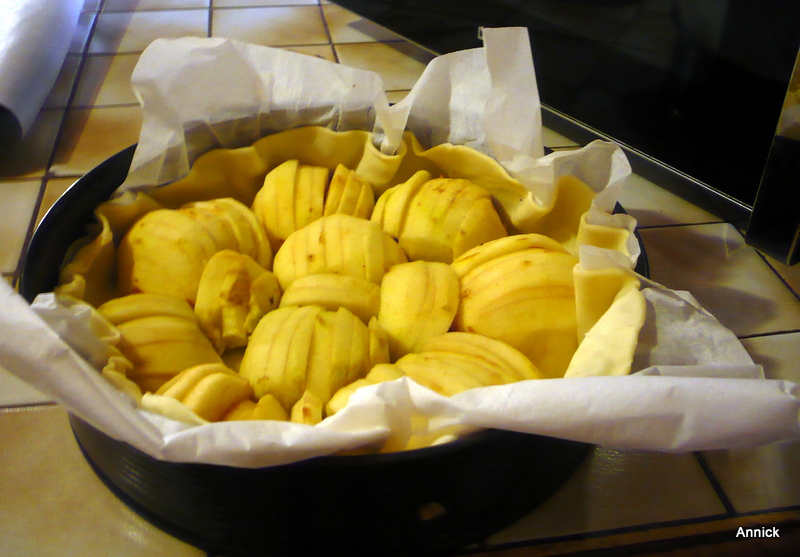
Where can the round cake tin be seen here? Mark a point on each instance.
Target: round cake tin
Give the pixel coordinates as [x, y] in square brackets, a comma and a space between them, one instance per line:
[428, 501]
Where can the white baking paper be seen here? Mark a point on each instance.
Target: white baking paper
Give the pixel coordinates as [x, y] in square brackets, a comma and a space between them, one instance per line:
[35, 36]
[694, 387]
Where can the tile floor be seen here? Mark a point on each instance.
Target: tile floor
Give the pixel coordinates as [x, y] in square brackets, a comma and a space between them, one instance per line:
[54, 505]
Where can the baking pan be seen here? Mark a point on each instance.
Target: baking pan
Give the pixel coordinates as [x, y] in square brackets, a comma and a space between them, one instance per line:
[429, 501]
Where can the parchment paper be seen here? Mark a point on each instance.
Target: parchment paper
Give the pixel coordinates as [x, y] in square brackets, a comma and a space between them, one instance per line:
[694, 386]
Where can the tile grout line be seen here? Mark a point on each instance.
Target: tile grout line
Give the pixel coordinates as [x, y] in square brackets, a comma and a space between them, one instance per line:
[780, 276]
[156, 10]
[210, 27]
[42, 184]
[770, 334]
[715, 484]
[600, 534]
[680, 225]
[26, 406]
[771, 268]
[328, 33]
[100, 106]
[775, 272]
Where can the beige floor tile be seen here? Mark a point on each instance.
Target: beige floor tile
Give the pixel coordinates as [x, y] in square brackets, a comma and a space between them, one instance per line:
[30, 157]
[790, 274]
[106, 80]
[655, 206]
[320, 51]
[759, 479]
[615, 489]
[399, 63]
[93, 135]
[53, 503]
[134, 5]
[53, 189]
[348, 27]
[271, 26]
[778, 354]
[764, 477]
[18, 202]
[62, 88]
[134, 31]
[725, 275]
[258, 3]
[15, 392]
